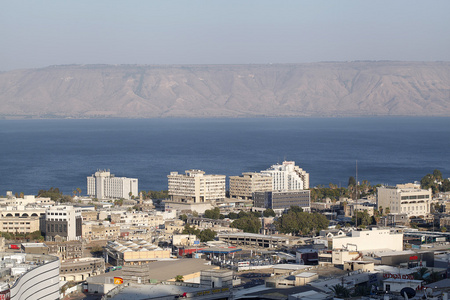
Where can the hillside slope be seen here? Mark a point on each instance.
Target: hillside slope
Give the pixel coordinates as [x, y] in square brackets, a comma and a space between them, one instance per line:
[316, 89]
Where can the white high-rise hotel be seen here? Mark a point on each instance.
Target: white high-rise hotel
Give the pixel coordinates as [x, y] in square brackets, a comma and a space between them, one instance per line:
[104, 185]
[288, 177]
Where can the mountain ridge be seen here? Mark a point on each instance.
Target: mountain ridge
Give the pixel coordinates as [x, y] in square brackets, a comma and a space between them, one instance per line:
[324, 89]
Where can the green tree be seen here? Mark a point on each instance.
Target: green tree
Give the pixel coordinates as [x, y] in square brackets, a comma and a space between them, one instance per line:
[179, 278]
[421, 274]
[233, 216]
[79, 191]
[351, 181]
[340, 291]
[298, 222]
[212, 213]
[183, 217]
[364, 218]
[445, 185]
[437, 175]
[269, 213]
[190, 230]
[248, 224]
[207, 235]
[52, 193]
[443, 229]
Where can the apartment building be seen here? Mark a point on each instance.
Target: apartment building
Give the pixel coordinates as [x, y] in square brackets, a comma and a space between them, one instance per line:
[243, 187]
[104, 185]
[196, 187]
[404, 199]
[288, 176]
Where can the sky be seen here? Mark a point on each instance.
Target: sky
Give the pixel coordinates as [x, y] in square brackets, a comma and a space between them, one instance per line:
[36, 34]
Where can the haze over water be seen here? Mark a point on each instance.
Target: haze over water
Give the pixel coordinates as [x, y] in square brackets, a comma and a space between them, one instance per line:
[39, 154]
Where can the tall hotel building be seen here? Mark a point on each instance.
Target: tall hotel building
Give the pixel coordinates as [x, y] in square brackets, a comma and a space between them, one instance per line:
[243, 187]
[407, 199]
[196, 187]
[288, 177]
[104, 185]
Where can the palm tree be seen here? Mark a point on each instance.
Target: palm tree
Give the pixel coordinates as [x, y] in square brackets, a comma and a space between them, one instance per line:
[421, 273]
[79, 191]
[340, 291]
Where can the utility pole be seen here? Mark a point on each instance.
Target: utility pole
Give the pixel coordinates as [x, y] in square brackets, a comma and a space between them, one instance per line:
[356, 193]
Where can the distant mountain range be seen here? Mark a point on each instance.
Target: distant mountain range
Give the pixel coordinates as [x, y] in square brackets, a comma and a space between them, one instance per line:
[363, 88]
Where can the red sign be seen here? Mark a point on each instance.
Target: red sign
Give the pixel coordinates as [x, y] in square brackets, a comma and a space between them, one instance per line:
[398, 276]
[414, 257]
[5, 295]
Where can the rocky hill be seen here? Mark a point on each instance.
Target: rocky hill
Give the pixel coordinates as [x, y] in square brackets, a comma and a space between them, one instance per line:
[316, 89]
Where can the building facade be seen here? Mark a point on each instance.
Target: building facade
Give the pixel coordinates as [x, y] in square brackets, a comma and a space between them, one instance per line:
[104, 185]
[243, 187]
[288, 176]
[404, 199]
[366, 240]
[281, 200]
[196, 187]
[64, 222]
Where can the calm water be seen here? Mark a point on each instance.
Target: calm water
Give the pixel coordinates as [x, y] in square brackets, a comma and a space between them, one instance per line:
[39, 154]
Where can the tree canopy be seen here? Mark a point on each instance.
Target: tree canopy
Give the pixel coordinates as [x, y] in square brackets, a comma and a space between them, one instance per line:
[203, 235]
[298, 222]
[212, 213]
[436, 182]
[248, 222]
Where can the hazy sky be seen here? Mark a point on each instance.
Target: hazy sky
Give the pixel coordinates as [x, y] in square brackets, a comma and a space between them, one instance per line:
[41, 33]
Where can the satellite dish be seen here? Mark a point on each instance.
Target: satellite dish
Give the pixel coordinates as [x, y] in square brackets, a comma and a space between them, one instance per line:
[408, 292]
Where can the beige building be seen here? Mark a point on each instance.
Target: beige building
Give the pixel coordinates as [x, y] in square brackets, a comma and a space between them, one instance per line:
[407, 199]
[243, 187]
[19, 225]
[89, 215]
[196, 187]
[100, 231]
[137, 218]
[133, 253]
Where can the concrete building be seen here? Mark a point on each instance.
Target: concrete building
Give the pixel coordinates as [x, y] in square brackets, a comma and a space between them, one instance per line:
[104, 185]
[404, 199]
[64, 222]
[196, 187]
[243, 187]
[369, 240]
[281, 200]
[29, 276]
[288, 176]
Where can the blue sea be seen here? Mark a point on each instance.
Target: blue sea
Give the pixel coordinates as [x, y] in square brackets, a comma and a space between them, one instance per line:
[39, 154]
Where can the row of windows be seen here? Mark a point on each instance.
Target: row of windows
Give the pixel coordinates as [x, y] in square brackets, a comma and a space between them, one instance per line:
[16, 223]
